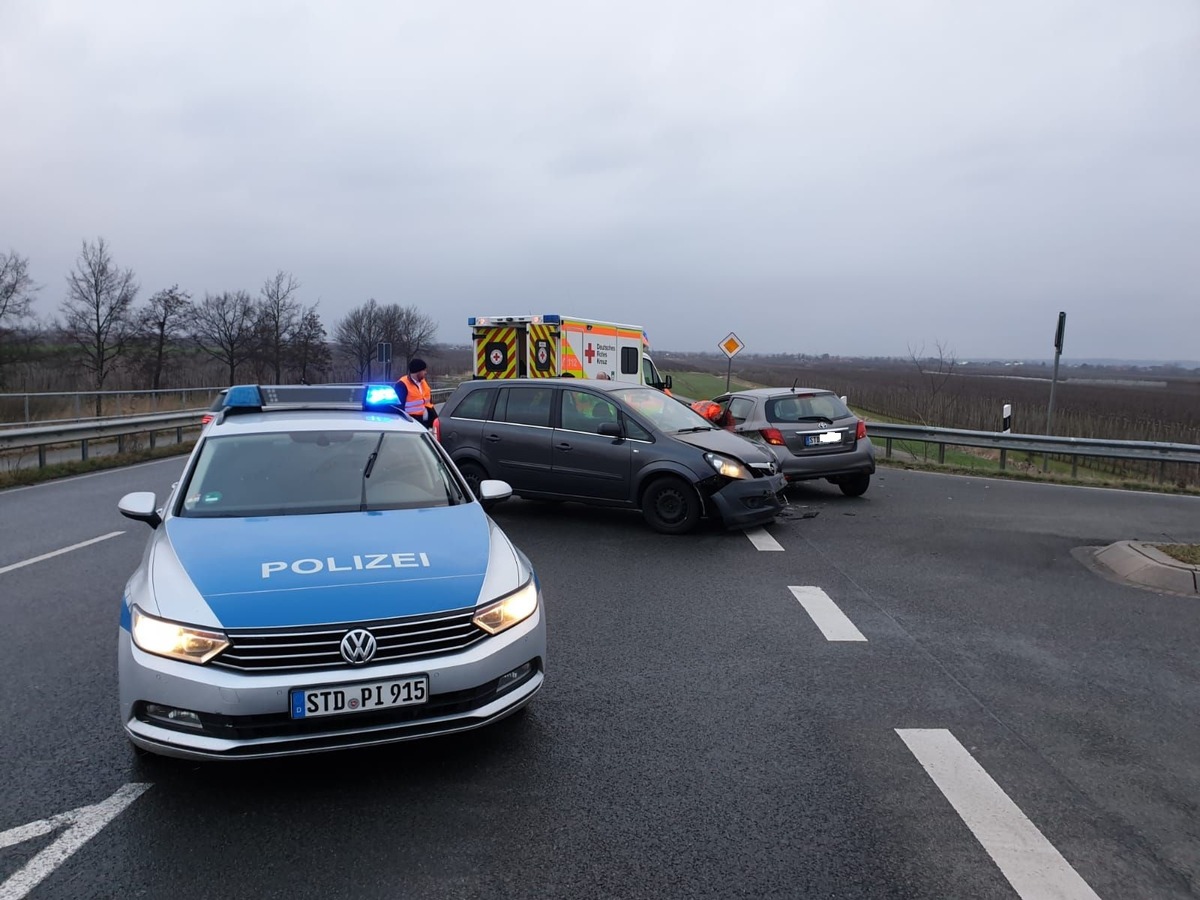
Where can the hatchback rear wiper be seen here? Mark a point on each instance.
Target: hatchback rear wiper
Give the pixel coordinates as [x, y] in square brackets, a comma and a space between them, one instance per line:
[695, 428]
[815, 419]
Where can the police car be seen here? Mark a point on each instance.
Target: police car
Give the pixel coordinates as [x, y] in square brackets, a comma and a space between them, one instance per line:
[321, 577]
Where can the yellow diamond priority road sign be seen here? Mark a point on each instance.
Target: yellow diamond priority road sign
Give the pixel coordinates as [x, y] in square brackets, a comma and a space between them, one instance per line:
[731, 346]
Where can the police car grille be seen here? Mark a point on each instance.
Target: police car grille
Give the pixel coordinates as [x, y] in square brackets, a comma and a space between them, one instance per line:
[317, 647]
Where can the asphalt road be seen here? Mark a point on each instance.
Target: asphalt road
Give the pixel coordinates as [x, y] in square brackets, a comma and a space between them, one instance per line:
[699, 735]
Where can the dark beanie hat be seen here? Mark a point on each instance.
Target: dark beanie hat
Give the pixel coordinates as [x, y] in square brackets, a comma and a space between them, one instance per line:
[416, 365]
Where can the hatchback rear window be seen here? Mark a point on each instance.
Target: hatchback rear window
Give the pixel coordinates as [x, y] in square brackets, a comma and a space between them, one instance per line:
[806, 408]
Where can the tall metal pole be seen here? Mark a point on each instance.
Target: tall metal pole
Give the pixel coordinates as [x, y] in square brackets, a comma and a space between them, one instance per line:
[1059, 334]
[728, 373]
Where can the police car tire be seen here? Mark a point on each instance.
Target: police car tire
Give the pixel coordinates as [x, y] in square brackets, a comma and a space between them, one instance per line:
[670, 506]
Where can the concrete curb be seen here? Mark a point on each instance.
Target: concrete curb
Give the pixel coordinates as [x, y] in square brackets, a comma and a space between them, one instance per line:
[1144, 564]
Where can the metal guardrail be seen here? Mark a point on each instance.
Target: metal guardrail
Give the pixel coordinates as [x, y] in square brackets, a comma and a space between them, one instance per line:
[75, 399]
[1075, 448]
[48, 434]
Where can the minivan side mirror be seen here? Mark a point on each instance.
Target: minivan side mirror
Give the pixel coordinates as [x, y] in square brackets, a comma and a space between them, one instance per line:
[140, 506]
[609, 429]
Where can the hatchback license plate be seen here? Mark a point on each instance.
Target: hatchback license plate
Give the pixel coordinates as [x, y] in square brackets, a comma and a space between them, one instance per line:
[827, 437]
[307, 703]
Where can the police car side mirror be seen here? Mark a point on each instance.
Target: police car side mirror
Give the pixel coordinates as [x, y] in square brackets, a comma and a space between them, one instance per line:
[493, 491]
[140, 506]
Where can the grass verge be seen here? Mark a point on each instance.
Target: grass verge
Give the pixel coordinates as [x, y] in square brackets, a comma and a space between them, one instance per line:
[19, 477]
[1185, 553]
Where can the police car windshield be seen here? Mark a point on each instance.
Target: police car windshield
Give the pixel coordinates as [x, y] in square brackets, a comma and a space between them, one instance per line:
[664, 412]
[308, 472]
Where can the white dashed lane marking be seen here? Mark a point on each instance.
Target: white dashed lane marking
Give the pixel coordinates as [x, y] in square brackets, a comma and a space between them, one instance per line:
[1031, 864]
[762, 539]
[54, 553]
[834, 623]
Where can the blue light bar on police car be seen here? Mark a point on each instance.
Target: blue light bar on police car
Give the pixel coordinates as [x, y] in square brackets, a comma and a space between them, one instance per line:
[256, 397]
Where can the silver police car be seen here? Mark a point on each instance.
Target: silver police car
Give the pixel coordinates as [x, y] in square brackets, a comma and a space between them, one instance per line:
[321, 577]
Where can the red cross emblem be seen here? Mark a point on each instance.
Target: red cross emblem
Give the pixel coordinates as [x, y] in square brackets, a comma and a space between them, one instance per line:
[589, 353]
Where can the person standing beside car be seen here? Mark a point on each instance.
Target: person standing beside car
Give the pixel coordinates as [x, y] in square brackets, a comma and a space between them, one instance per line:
[414, 393]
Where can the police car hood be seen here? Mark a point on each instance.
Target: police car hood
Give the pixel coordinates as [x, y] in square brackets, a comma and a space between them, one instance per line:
[278, 571]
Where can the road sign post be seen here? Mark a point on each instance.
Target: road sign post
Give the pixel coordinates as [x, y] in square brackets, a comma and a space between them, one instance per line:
[731, 347]
[1059, 334]
[385, 357]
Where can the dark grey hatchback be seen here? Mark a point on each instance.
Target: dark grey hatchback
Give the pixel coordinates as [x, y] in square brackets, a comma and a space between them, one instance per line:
[611, 444]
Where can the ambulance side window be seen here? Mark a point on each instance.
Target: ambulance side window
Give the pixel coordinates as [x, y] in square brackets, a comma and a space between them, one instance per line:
[629, 360]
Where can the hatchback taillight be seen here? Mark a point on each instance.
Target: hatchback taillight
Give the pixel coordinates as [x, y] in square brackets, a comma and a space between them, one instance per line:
[860, 433]
[772, 436]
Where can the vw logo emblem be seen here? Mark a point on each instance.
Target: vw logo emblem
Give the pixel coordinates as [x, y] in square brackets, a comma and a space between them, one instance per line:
[358, 646]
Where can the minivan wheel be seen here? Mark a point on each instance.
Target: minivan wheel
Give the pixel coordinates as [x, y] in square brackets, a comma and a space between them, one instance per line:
[855, 485]
[670, 506]
[473, 473]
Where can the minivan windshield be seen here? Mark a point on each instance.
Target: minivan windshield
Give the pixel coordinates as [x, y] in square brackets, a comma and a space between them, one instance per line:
[307, 472]
[662, 411]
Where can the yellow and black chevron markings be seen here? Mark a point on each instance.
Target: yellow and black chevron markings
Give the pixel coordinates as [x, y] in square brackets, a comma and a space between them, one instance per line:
[496, 352]
[541, 341]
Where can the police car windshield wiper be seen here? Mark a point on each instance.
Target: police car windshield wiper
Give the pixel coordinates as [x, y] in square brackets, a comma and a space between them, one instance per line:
[367, 472]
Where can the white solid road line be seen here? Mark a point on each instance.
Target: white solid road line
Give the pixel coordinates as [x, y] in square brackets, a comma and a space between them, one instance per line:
[762, 539]
[833, 623]
[54, 553]
[85, 823]
[1035, 869]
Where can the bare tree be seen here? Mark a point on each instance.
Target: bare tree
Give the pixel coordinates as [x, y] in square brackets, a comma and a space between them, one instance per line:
[223, 327]
[927, 394]
[358, 335]
[96, 311]
[159, 325]
[309, 352]
[16, 300]
[278, 318]
[416, 332]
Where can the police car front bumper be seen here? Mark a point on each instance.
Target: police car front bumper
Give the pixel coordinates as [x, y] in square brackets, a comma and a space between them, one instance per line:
[244, 716]
[750, 501]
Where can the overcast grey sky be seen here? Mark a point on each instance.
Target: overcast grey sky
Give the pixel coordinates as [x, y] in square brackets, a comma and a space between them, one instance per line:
[841, 177]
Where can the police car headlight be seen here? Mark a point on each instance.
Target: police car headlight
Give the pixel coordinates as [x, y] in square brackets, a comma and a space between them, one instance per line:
[176, 641]
[728, 467]
[508, 611]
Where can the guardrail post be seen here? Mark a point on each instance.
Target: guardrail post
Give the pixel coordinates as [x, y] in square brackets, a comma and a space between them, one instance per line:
[120, 443]
[84, 451]
[1162, 471]
[888, 447]
[941, 454]
[1074, 466]
[26, 407]
[152, 440]
[41, 456]
[1003, 458]
[179, 435]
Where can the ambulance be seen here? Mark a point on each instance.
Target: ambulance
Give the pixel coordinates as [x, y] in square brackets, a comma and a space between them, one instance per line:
[553, 346]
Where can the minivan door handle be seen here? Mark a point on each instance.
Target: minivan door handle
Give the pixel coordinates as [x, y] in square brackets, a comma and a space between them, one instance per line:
[562, 445]
[492, 438]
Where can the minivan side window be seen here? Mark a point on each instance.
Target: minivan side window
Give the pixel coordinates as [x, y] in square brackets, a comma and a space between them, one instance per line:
[526, 406]
[474, 405]
[582, 411]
